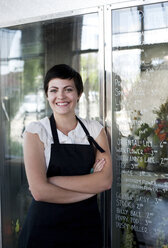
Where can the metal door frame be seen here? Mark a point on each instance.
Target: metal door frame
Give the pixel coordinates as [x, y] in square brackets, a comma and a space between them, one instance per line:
[1, 166]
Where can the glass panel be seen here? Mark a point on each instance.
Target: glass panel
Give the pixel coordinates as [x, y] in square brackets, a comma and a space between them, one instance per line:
[26, 53]
[156, 23]
[140, 126]
[90, 37]
[89, 102]
[127, 22]
[21, 102]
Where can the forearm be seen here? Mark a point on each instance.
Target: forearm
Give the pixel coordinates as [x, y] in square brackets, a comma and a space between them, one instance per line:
[89, 184]
[48, 192]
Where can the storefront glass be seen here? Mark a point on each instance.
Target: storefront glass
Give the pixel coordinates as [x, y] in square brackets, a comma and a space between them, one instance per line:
[140, 126]
[135, 214]
[26, 53]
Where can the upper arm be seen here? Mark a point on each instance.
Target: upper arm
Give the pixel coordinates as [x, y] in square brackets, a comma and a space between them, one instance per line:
[103, 142]
[34, 160]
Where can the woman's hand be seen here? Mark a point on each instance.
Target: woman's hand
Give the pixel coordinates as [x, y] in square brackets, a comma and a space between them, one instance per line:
[99, 164]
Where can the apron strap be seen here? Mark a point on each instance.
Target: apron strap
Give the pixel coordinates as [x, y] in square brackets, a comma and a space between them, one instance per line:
[54, 129]
[90, 138]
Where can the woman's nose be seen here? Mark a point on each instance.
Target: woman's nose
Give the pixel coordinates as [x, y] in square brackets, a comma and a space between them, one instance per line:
[60, 94]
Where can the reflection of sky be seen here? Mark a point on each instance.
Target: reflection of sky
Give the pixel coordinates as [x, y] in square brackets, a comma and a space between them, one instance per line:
[156, 16]
[127, 25]
[129, 61]
[156, 36]
[127, 39]
[90, 32]
[125, 20]
[11, 50]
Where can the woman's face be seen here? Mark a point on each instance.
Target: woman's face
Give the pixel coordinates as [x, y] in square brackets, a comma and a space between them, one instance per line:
[62, 96]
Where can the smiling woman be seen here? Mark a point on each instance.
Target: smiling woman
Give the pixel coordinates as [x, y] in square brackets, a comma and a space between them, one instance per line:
[72, 166]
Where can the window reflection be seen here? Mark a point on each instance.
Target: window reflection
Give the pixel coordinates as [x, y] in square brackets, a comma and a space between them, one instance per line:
[145, 24]
[26, 53]
[90, 39]
[156, 16]
[140, 108]
[126, 22]
[89, 102]
[155, 23]
[10, 51]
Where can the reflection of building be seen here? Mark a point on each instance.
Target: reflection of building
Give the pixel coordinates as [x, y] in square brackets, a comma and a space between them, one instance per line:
[121, 52]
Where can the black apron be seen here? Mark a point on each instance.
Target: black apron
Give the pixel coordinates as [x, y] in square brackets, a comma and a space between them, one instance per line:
[50, 225]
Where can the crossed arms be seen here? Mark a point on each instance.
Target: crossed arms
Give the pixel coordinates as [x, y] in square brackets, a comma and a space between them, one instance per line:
[65, 189]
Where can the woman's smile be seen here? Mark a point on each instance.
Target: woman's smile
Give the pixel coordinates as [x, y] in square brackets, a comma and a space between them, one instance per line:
[62, 103]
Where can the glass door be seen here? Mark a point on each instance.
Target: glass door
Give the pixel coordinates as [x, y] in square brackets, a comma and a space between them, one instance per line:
[22, 101]
[26, 53]
[140, 126]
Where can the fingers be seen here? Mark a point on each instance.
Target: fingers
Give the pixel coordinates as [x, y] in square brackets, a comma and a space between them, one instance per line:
[98, 166]
[95, 164]
[98, 162]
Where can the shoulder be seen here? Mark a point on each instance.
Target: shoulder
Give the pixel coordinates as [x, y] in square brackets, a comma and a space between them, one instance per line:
[36, 126]
[93, 126]
[41, 128]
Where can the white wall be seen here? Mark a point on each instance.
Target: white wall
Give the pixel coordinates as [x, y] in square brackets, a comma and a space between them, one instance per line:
[13, 12]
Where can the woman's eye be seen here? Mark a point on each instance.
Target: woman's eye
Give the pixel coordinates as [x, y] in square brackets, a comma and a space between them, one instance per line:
[53, 91]
[69, 89]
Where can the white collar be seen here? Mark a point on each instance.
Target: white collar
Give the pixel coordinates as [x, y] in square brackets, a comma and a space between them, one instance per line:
[76, 132]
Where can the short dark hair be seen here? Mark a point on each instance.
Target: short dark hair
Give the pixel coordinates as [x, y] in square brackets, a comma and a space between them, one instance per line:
[63, 71]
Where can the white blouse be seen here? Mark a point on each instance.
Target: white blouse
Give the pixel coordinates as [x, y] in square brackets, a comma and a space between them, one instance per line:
[75, 136]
